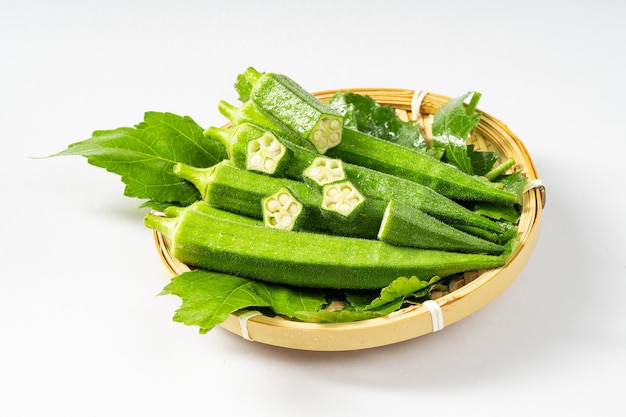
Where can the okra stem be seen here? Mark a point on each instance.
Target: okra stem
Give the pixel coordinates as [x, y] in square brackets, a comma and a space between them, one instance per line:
[251, 75]
[471, 106]
[500, 169]
[223, 135]
[164, 225]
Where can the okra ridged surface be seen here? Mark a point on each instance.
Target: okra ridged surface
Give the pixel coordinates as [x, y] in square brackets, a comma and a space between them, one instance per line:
[365, 150]
[284, 100]
[302, 258]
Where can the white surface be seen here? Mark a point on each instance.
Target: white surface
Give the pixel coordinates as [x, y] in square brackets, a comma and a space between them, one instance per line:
[83, 331]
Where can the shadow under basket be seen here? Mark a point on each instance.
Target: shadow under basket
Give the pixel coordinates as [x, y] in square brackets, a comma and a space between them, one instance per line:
[416, 320]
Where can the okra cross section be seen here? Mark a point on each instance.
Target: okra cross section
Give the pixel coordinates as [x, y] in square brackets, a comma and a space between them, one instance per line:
[324, 171]
[327, 133]
[264, 153]
[281, 210]
[342, 198]
[253, 148]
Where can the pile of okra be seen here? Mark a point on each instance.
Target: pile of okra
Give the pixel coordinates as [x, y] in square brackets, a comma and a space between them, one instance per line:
[304, 200]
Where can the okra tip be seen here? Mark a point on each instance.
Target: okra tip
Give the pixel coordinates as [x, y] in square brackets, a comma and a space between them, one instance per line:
[471, 106]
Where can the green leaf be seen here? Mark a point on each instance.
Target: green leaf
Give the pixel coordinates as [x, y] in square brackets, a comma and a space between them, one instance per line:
[348, 314]
[359, 300]
[362, 113]
[515, 183]
[482, 161]
[368, 304]
[452, 125]
[245, 82]
[497, 212]
[400, 288]
[208, 298]
[243, 87]
[290, 302]
[145, 155]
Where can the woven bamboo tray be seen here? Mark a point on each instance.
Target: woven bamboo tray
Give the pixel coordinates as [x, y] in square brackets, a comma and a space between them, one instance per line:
[472, 292]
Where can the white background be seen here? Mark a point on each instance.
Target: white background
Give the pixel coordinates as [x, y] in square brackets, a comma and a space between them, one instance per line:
[83, 332]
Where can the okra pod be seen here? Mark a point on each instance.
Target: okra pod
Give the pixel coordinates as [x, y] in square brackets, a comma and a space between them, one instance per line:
[370, 182]
[362, 149]
[230, 188]
[407, 226]
[252, 148]
[284, 100]
[302, 258]
[383, 186]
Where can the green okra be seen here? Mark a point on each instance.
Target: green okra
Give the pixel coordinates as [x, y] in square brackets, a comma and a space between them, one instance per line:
[370, 182]
[302, 258]
[407, 226]
[383, 186]
[249, 112]
[238, 190]
[376, 184]
[362, 149]
[285, 101]
[252, 148]
[481, 233]
[208, 210]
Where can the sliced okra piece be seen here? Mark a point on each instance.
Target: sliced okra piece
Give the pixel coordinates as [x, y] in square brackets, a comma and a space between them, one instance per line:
[282, 211]
[286, 101]
[342, 198]
[323, 171]
[327, 133]
[253, 148]
[266, 154]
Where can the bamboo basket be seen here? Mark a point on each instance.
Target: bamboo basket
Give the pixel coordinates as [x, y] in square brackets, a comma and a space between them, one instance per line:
[469, 294]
